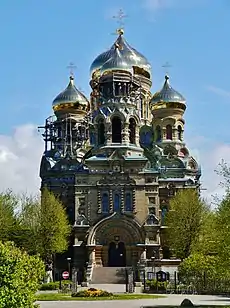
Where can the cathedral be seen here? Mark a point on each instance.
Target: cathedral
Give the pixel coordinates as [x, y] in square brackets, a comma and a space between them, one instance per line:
[115, 159]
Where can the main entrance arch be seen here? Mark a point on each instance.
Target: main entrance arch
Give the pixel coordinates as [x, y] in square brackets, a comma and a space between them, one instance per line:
[115, 240]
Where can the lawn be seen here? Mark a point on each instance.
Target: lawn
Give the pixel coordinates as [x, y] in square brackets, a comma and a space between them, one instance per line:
[67, 297]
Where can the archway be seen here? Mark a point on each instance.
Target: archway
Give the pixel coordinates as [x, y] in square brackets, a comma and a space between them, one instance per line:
[116, 130]
[116, 255]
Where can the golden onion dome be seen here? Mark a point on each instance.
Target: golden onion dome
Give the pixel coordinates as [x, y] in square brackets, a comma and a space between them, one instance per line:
[121, 56]
[167, 96]
[71, 99]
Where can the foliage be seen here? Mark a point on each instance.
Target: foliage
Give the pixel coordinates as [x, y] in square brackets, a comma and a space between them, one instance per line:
[20, 275]
[157, 285]
[223, 231]
[208, 238]
[92, 293]
[8, 222]
[54, 228]
[196, 264]
[184, 221]
[52, 286]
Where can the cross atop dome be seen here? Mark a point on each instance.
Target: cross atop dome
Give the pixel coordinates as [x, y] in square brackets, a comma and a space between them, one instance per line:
[120, 20]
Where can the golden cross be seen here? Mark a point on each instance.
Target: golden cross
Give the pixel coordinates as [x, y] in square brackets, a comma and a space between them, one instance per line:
[120, 18]
[166, 66]
[71, 68]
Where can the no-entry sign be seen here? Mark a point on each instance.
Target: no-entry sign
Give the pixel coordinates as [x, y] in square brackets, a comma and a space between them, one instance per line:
[65, 275]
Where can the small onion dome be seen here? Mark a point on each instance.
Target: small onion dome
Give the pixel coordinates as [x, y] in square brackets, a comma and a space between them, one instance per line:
[167, 97]
[71, 100]
[121, 56]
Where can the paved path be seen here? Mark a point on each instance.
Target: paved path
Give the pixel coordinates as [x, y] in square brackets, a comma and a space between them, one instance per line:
[172, 300]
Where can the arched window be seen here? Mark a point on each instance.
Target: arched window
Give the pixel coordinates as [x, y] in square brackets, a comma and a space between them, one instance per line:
[179, 129]
[105, 203]
[132, 131]
[116, 130]
[158, 133]
[116, 202]
[128, 202]
[168, 132]
[101, 132]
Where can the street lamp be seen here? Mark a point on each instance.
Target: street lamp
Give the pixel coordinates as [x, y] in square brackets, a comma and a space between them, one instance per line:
[69, 261]
[153, 267]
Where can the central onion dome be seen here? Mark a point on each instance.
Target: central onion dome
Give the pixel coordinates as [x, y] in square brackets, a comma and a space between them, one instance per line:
[71, 100]
[121, 56]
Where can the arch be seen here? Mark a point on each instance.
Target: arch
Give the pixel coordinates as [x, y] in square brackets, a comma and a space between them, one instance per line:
[179, 130]
[101, 132]
[128, 202]
[105, 202]
[128, 229]
[132, 131]
[116, 130]
[169, 132]
[158, 133]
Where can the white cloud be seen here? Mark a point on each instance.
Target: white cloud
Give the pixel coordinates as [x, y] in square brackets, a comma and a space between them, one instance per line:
[218, 91]
[155, 5]
[20, 155]
[209, 154]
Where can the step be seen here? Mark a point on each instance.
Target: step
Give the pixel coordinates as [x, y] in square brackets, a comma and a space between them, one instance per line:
[108, 275]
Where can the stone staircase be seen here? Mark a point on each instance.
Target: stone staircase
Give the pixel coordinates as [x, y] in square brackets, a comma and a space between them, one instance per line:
[108, 275]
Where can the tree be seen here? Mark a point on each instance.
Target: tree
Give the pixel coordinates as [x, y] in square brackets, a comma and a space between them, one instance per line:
[184, 220]
[223, 229]
[8, 222]
[20, 275]
[54, 229]
[206, 241]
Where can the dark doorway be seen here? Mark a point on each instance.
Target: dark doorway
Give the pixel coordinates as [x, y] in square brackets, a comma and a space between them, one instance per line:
[116, 130]
[101, 132]
[116, 255]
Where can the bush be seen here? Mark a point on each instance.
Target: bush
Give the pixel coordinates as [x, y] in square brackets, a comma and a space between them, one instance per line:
[20, 275]
[54, 286]
[157, 285]
[92, 293]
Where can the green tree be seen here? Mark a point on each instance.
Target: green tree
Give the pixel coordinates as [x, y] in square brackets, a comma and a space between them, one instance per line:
[54, 229]
[20, 275]
[184, 219]
[8, 221]
[223, 230]
[206, 241]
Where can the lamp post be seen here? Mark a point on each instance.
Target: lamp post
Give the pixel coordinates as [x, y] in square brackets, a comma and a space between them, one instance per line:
[69, 263]
[153, 267]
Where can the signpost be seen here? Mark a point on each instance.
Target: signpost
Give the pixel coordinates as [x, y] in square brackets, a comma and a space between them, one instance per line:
[65, 275]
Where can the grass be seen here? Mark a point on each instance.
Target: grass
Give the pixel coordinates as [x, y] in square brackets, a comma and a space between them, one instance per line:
[67, 297]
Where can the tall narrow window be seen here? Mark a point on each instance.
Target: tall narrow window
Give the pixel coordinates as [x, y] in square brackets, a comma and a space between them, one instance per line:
[132, 131]
[105, 203]
[116, 202]
[101, 132]
[179, 129]
[158, 133]
[116, 130]
[128, 202]
[168, 132]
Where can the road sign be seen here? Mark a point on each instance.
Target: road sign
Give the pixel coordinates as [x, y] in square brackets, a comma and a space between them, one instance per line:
[65, 275]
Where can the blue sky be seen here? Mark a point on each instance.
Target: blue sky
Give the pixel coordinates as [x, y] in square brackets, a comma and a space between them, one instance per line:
[40, 38]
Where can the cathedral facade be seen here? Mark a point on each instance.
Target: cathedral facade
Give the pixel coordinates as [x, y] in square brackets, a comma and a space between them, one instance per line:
[116, 159]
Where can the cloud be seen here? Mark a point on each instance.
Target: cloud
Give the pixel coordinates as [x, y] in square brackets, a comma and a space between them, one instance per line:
[218, 91]
[155, 5]
[209, 154]
[20, 155]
